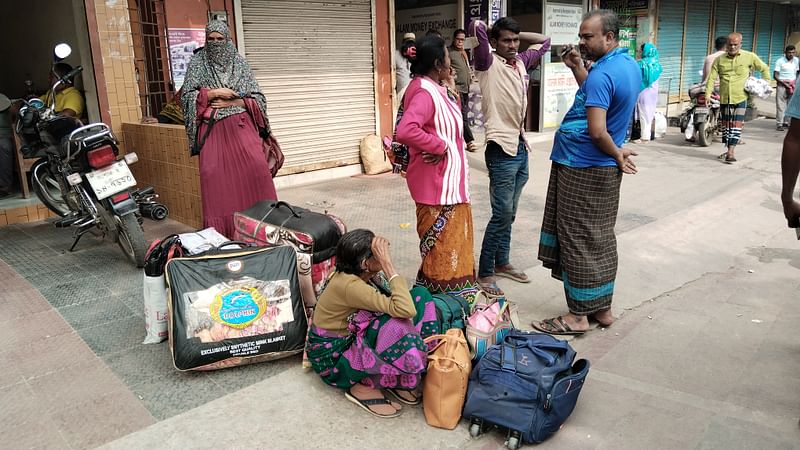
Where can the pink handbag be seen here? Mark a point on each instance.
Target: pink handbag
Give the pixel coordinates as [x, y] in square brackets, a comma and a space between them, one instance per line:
[489, 323]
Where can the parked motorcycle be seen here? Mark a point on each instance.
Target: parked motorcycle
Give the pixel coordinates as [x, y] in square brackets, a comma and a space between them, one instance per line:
[79, 175]
[703, 115]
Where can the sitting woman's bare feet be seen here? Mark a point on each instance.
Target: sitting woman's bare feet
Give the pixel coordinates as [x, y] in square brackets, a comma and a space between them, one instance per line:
[604, 317]
[373, 401]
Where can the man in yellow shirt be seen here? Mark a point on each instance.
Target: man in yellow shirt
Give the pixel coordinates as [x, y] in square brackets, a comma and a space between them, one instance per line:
[733, 68]
[69, 101]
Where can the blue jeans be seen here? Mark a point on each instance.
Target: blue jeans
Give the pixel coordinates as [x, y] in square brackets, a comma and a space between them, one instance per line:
[507, 177]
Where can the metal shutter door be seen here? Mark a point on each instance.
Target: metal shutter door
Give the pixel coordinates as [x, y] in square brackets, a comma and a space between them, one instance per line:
[724, 16]
[314, 62]
[778, 34]
[698, 26]
[764, 32]
[745, 22]
[670, 44]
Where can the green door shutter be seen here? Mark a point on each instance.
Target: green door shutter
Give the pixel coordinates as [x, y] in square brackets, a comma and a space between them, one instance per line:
[670, 43]
[745, 22]
[697, 35]
[724, 15]
[764, 35]
[778, 34]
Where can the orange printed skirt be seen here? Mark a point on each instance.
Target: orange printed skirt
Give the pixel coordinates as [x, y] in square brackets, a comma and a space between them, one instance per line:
[446, 247]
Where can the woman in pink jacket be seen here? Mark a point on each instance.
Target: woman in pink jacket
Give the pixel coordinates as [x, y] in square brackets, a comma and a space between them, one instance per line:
[432, 128]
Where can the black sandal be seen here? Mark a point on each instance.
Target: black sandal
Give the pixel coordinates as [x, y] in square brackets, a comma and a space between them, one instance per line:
[365, 404]
[396, 394]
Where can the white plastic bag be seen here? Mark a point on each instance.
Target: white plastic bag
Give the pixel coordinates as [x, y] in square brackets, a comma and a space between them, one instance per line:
[661, 125]
[155, 309]
[758, 87]
[689, 133]
[200, 241]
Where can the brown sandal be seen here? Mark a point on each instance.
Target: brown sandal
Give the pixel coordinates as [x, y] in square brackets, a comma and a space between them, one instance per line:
[556, 326]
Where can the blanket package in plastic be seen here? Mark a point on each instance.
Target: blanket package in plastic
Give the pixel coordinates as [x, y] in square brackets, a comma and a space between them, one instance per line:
[235, 307]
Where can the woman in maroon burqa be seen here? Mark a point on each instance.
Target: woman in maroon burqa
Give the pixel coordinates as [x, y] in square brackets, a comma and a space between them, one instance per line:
[226, 117]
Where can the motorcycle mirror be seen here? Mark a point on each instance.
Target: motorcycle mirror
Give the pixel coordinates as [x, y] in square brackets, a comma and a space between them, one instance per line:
[61, 51]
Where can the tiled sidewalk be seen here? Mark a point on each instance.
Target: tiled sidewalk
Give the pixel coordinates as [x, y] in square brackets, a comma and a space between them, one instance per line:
[55, 392]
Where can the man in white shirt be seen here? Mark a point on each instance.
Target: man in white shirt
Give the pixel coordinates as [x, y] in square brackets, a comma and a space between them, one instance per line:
[786, 69]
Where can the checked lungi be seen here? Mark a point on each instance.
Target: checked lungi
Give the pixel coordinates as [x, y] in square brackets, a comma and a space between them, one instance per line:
[732, 119]
[577, 241]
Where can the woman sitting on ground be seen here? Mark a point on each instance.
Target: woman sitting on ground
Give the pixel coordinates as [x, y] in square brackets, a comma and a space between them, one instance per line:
[368, 333]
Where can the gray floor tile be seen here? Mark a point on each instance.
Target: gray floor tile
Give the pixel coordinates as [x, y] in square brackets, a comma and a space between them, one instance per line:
[114, 337]
[235, 378]
[75, 291]
[94, 312]
[146, 364]
[177, 393]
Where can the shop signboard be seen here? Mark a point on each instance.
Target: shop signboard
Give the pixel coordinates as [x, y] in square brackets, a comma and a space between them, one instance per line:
[627, 39]
[562, 23]
[494, 12]
[419, 20]
[475, 10]
[182, 44]
[626, 7]
[559, 89]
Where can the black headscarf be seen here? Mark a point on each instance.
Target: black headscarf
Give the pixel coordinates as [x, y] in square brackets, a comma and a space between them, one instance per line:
[218, 65]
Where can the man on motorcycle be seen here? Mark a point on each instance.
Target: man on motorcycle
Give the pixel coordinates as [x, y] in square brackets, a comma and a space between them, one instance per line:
[733, 69]
[69, 101]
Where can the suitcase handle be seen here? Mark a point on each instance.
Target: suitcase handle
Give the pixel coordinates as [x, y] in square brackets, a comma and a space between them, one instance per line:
[277, 205]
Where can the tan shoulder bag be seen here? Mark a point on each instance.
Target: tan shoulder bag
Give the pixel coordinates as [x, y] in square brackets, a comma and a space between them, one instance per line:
[445, 386]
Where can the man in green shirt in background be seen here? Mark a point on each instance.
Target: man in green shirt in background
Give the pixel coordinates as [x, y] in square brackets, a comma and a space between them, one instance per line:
[733, 68]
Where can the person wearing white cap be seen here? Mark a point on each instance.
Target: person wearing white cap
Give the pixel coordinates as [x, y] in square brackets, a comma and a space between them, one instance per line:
[402, 63]
[6, 148]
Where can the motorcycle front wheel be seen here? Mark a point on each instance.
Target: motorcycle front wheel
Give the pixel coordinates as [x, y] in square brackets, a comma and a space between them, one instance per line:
[47, 188]
[705, 133]
[131, 238]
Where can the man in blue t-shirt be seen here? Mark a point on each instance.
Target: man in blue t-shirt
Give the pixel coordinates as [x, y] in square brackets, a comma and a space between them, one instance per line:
[577, 241]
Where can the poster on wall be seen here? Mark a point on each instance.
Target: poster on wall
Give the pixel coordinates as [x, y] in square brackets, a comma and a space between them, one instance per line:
[563, 23]
[559, 93]
[182, 44]
[420, 20]
[627, 39]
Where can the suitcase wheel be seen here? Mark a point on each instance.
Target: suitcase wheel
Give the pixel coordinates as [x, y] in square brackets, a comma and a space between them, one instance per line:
[475, 427]
[513, 442]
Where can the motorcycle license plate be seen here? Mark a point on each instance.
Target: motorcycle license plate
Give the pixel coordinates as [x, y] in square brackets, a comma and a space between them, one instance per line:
[111, 180]
[700, 110]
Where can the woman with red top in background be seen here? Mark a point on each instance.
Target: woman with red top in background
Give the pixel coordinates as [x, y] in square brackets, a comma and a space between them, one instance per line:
[226, 117]
[437, 177]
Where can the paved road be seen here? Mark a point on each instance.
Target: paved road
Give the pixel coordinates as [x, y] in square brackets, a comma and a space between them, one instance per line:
[705, 353]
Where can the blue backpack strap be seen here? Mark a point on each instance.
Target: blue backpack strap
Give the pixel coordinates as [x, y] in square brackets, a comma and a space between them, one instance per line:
[508, 357]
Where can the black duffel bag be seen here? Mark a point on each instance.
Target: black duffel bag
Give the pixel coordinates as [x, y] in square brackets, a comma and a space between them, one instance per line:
[271, 222]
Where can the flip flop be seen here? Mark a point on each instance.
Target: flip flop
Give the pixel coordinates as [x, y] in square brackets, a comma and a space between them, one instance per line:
[396, 394]
[365, 405]
[556, 326]
[514, 274]
[491, 289]
[723, 156]
[730, 160]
